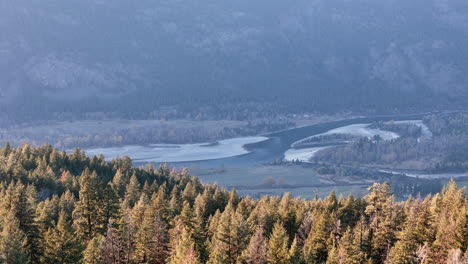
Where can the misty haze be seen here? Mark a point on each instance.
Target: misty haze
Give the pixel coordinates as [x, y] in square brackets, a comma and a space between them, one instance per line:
[233, 132]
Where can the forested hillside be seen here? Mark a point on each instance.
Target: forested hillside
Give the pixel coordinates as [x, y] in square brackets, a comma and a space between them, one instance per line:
[70, 208]
[445, 150]
[134, 59]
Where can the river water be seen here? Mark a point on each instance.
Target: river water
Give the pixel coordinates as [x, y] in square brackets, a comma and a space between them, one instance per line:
[237, 152]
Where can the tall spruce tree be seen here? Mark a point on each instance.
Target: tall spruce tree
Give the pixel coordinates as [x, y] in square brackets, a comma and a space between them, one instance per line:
[92, 254]
[86, 213]
[221, 248]
[13, 242]
[184, 251]
[316, 247]
[62, 246]
[151, 245]
[278, 251]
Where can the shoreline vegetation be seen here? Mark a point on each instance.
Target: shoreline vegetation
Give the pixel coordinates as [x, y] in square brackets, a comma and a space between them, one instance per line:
[89, 133]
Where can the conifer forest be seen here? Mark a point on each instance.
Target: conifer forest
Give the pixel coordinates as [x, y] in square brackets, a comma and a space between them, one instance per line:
[71, 208]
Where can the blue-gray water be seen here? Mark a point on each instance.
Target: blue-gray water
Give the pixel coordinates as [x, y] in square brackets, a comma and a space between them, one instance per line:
[274, 148]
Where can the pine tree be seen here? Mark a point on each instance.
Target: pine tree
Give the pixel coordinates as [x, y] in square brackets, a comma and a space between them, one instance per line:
[240, 232]
[159, 204]
[132, 192]
[286, 214]
[189, 193]
[278, 251]
[315, 247]
[383, 217]
[21, 201]
[200, 231]
[414, 233]
[151, 245]
[221, 250]
[109, 208]
[451, 221]
[92, 254]
[187, 217]
[175, 205]
[233, 198]
[348, 250]
[6, 150]
[86, 214]
[13, 242]
[348, 213]
[119, 182]
[184, 251]
[67, 202]
[61, 244]
[294, 256]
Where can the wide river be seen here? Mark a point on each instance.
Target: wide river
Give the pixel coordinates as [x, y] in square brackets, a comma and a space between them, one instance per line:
[234, 152]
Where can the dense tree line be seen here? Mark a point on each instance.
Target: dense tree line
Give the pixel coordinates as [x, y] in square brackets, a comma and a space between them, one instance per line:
[402, 129]
[169, 126]
[69, 208]
[445, 151]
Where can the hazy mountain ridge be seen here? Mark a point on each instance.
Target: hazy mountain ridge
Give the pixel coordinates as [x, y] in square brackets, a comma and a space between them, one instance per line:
[207, 51]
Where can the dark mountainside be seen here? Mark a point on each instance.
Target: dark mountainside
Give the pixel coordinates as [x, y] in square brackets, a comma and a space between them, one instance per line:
[132, 57]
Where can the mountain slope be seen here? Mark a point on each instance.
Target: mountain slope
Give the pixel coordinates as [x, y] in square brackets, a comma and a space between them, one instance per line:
[315, 55]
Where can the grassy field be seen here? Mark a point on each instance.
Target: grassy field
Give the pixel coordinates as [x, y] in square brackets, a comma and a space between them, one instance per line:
[276, 180]
[308, 192]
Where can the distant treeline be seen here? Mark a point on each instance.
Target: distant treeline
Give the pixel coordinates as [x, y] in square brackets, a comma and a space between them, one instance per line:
[104, 135]
[445, 151]
[69, 208]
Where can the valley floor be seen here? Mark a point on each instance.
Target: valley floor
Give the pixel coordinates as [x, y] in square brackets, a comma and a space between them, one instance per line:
[298, 180]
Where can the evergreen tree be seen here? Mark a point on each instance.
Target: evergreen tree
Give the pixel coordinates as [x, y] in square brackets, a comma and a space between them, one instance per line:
[151, 245]
[240, 232]
[109, 208]
[61, 244]
[187, 217]
[175, 205]
[189, 193]
[86, 214]
[92, 254]
[383, 216]
[221, 248]
[295, 254]
[207, 224]
[119, 182]
[414, 233]
[132, 192]
[278, 251]
[13, 242]
[159, 204]
[184, 251]
[315, 247]
[6, 150]
[451, 222]
[286, 214]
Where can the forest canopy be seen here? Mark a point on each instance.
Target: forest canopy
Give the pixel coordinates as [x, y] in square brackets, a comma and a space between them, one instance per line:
[110, 212]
